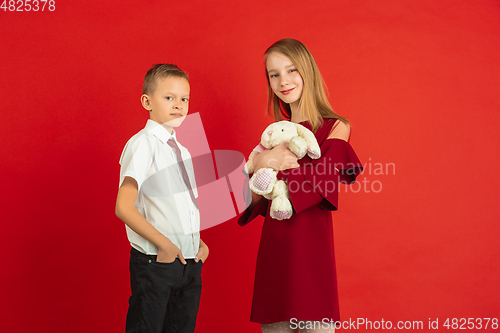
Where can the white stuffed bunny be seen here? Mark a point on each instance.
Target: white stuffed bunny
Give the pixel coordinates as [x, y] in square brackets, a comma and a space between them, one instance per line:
[300, 141]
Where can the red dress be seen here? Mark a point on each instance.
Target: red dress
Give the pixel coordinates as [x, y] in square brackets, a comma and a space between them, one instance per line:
[295, 275]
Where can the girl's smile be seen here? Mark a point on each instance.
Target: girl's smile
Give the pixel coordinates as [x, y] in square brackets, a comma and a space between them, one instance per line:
[286, 92]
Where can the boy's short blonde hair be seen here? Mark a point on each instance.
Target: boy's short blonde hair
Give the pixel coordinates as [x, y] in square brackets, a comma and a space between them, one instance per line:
[160, 71]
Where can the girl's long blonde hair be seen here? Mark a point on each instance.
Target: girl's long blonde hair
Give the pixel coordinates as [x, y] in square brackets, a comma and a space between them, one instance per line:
[313, 101]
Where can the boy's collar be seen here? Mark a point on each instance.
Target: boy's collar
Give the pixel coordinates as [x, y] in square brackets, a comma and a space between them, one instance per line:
[159, 131]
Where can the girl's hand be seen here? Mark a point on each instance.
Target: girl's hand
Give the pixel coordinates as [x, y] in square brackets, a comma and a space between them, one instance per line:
[279, 158]
[168, 252]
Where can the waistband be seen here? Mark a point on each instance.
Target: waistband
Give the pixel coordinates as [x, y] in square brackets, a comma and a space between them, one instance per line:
[152, 257]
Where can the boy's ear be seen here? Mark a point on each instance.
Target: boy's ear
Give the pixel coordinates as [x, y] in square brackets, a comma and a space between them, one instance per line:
[146, 102]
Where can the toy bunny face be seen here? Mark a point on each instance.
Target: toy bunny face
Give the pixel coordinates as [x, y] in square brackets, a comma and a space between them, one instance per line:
[277, 133]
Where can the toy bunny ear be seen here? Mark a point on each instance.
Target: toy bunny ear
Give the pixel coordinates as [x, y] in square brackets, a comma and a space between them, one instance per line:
[313, 149]
[265, 139]
[305, 133]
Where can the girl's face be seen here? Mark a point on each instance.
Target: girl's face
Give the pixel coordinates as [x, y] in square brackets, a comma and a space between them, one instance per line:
[284, 78]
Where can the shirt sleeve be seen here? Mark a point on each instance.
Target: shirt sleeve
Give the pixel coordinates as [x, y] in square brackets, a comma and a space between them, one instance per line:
[317, 182]
[136, 160]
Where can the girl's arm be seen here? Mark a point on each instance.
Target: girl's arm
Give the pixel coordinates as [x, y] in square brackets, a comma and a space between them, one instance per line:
[317, 183]
[279, 158]
[340, 130]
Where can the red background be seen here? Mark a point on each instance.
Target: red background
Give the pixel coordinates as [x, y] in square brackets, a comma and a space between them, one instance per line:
[419, 80]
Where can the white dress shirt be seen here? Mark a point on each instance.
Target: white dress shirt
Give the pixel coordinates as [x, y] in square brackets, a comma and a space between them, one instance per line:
[163, 198]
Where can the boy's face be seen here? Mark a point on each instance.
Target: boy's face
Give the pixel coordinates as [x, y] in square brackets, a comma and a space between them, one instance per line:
[169, 103]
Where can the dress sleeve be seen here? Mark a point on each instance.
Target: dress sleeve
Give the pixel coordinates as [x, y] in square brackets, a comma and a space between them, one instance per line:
[248, 215]
[261, 207]
[316, 182]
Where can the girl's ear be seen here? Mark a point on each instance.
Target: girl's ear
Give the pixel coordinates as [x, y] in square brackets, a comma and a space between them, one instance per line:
[146, 103]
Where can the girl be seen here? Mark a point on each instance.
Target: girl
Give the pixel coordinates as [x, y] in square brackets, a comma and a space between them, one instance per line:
[295, 279]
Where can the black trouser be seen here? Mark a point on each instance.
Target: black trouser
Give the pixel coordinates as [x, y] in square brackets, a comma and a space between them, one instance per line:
[165, 296]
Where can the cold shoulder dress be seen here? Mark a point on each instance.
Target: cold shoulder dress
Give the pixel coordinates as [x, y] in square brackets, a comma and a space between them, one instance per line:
[295, 274]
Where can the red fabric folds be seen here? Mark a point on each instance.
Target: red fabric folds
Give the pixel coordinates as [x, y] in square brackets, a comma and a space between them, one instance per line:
[249, 215]
[320, 178]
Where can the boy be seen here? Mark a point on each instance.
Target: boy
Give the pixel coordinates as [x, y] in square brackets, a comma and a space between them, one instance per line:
[156, 200]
